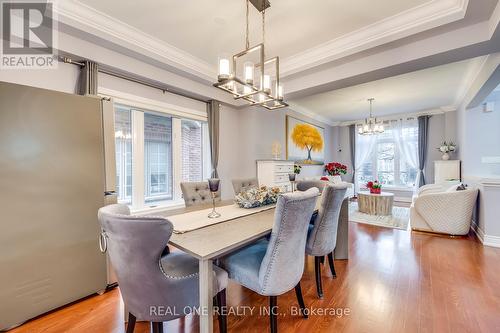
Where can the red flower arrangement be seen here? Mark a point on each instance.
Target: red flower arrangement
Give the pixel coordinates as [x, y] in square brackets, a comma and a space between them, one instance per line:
[374, 187]
[335, 169]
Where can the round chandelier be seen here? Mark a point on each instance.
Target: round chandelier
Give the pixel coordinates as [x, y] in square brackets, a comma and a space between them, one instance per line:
[249, 76]
[371, 125]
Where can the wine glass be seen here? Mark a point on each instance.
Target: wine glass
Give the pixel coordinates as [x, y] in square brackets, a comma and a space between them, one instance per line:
[213, 184]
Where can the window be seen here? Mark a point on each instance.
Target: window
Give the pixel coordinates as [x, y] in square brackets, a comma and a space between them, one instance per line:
[157, 158]
[192, 157]
[390, 157]
[154, 153]
[123, 148]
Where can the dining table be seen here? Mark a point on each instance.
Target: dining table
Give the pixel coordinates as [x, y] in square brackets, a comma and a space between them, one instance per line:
[221, 237]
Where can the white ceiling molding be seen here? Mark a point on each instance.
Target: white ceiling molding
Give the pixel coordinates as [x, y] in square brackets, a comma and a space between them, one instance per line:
[412, 21]
[474, 69]
[418, 19]
[308, 113]
[90, 20]
[494, 19]
[440, 110]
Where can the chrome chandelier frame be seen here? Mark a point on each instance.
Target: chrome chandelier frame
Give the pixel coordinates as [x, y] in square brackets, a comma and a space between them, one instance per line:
[265, 95]
[371, 125]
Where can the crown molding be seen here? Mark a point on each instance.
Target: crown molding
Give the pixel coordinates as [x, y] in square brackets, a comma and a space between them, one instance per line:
[90, 20]
[494, 20]
[424, 17]
[430, 112]
[473, 72]
[311, 114]
[414, 20]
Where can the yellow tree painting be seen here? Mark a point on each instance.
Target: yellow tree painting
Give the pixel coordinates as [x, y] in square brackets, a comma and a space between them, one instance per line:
[305, 142]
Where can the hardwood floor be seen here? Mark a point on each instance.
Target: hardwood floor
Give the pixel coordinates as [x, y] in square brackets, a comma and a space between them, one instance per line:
[395, 281]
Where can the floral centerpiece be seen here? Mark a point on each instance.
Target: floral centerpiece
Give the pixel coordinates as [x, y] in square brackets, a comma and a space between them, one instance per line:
[257, 196]
[335, 169]
[446, 148]
[375, 187]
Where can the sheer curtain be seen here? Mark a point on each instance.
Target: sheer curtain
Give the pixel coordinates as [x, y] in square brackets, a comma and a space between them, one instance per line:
[393, 155]
[364, 147]
[405, 132]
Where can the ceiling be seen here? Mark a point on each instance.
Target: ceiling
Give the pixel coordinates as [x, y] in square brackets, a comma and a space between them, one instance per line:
[428, 89]
[328, 49]
[206, 29]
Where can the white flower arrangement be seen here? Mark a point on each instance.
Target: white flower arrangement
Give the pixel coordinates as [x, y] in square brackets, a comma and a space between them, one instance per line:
[447, 147]
[256, 197]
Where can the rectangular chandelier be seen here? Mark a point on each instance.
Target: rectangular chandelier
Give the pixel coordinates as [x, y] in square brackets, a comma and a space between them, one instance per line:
[250, 77]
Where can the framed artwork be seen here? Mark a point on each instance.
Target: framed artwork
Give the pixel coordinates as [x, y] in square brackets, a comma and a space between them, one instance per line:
[305, 142]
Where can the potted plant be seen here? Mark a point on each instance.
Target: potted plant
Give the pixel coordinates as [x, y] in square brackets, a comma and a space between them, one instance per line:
[297, 168]
[446, 148]
[375, 187]
[335, 169]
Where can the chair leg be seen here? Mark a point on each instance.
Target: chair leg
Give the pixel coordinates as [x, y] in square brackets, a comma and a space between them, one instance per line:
[221, 303]
[332, 266]
[157, 327]
[300, 299]
[131, 323]
[273, 308]
[165, 251]
[317, 268]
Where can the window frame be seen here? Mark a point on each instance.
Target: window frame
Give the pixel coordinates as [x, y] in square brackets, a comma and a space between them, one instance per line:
[138, 107]
[397, 163]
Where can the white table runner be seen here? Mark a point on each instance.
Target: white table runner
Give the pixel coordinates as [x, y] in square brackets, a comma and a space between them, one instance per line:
[198, 219]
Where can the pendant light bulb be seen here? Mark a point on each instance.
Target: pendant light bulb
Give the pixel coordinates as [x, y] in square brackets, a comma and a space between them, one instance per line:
[267, 84]
[248, 72]
[280, 92]
[224, 68]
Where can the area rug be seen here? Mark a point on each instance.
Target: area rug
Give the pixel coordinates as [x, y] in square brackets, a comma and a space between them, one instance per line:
[399, 219]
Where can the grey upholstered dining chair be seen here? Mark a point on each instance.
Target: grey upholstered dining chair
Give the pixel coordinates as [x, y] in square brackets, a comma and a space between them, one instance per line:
[241, 184]
[322, 236]
[275, 266]
[304, 185]
[197, 193]
[150, 283]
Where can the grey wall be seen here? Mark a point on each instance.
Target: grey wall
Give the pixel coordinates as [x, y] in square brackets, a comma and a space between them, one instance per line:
[259, 128]
[341, 135]
[481, 139]
[64, 78]
[247, 135]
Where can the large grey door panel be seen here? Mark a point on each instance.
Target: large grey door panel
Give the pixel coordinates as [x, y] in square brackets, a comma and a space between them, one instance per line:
[51, 186]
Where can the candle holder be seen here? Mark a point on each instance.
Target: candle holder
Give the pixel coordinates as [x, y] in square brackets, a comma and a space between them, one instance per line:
[213, 184]
[291, 177]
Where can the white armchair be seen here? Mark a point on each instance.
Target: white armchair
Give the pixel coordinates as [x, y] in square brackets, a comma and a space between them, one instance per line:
[435, 209]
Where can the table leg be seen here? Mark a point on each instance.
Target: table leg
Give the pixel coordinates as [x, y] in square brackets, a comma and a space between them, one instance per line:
[206, 295]
[342, 247]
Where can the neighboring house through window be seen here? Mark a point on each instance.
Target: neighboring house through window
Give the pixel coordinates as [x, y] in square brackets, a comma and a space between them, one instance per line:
[169, 149]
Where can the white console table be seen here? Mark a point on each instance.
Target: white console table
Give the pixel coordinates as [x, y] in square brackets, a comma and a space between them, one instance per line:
[275, 173]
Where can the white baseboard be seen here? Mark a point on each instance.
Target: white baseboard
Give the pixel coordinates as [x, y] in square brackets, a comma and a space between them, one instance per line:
[493, 241]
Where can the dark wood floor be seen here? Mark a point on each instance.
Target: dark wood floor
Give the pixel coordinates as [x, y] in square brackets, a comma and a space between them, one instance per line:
[395, 281]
